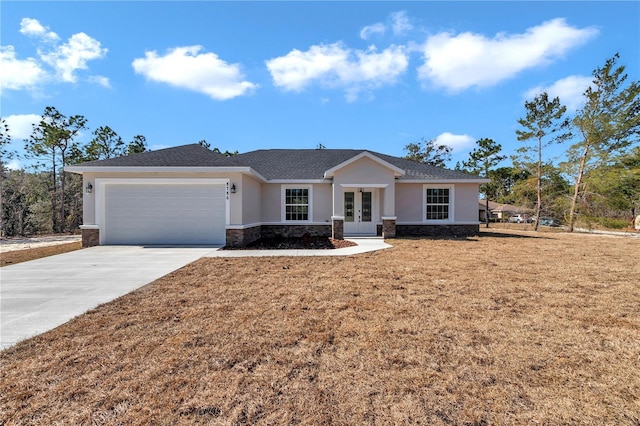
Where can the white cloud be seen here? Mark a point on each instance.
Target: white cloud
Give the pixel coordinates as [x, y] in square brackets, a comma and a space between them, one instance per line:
[570, 90]
[455, 142]
[337, 66]
[21, 125]
[69, 57]
[187, 68]
[400, 23]
[458, 62]
[17, 74]
[369, 30]
[101, 80]
[32, 27]
[65, 59]
[13, 165]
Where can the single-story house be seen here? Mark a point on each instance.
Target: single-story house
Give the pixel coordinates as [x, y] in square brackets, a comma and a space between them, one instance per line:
[500, 212]
[192, 195]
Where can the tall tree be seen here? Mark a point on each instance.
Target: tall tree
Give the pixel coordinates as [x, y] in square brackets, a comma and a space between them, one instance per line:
[105, 144]
[203, 143]
[608, 123]
[5, 140]
[226, 153]
[503, 180]
[428, 152]
[137, 145]
[544, 124]
[481, 160]
[619, 184]
[51, 143]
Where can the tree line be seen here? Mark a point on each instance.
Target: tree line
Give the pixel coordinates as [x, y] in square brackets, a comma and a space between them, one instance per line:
[44, 199]
[597, 182]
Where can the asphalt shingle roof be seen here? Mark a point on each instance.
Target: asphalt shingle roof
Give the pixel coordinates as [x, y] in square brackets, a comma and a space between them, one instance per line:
[312, 163]
[194, 155]
[290, 164]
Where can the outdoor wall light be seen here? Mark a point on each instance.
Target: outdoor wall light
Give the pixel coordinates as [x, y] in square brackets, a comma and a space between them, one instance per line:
[89, 188]
[233, 188]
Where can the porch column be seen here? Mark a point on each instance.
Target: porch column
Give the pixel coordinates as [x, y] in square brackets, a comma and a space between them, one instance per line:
[337, 227]
[388, 226]
[337, 218]
[389, 201]
[90, 235]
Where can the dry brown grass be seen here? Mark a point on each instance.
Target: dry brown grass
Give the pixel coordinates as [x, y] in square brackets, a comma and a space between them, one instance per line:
[17, 256]
[507, 328]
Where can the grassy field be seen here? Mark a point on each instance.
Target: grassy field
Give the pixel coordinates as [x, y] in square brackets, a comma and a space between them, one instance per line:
[511, 327]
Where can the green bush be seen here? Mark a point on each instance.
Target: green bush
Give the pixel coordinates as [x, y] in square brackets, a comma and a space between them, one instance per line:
[612, 223]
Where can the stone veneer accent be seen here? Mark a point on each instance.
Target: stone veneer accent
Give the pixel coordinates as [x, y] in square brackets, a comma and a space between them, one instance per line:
[295, 231]
[242, 237]
[90, 237]
[388, 228]
[456, 231]
[337, 229]
[245, 236]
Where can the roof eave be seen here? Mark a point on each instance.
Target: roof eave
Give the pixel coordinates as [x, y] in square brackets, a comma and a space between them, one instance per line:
[445, 180]
[164, 169]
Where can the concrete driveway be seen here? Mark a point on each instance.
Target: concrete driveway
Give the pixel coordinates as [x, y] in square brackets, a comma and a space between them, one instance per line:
[42, 294]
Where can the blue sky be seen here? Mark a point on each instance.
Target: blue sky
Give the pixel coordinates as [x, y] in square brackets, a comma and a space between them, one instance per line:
[256, 75]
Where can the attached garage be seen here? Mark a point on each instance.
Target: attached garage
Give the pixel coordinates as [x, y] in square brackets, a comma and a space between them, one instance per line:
[162, 211]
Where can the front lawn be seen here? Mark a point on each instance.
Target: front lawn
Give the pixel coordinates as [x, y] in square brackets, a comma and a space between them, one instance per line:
[508, 328]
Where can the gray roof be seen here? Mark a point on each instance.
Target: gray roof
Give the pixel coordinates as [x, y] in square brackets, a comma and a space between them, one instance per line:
[312, 163]
[288, 164]
[194, 155]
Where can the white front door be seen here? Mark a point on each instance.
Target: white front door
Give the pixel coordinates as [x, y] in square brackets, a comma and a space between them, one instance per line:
[359, 211]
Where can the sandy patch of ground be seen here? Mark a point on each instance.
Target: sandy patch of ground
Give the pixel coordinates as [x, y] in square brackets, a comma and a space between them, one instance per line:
[23, 243]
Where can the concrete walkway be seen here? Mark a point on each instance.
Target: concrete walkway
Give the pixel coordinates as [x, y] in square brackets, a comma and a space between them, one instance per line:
[42, 294]
[364, 245]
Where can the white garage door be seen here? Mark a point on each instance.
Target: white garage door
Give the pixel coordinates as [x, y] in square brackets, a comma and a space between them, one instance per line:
[164, 214]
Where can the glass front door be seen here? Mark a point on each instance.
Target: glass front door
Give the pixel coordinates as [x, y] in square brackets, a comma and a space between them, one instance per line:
[358, 212]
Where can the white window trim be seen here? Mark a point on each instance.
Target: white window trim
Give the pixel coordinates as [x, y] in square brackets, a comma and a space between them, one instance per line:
[451, 189]
[283, 198]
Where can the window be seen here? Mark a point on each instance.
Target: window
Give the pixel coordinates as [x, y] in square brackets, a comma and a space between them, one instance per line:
[296, 204]
[437, 203]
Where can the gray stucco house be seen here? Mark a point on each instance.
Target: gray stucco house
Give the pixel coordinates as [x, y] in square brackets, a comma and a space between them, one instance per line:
[192, 195]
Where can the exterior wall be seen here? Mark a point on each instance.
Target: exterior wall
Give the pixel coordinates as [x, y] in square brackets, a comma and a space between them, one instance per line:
[88, 200]
[250, 192]
[365, 173]
[409, 200]
[271, 202]
[466, 199]
[322, 202]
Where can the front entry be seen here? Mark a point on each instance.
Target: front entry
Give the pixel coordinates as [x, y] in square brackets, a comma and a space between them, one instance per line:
[359, 211]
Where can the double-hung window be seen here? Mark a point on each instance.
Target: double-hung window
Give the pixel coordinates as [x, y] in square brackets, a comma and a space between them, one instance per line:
[297, 204]
[438, 203]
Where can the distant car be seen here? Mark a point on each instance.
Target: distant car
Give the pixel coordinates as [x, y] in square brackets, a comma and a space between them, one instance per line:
[518, 218]
[549, 221]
